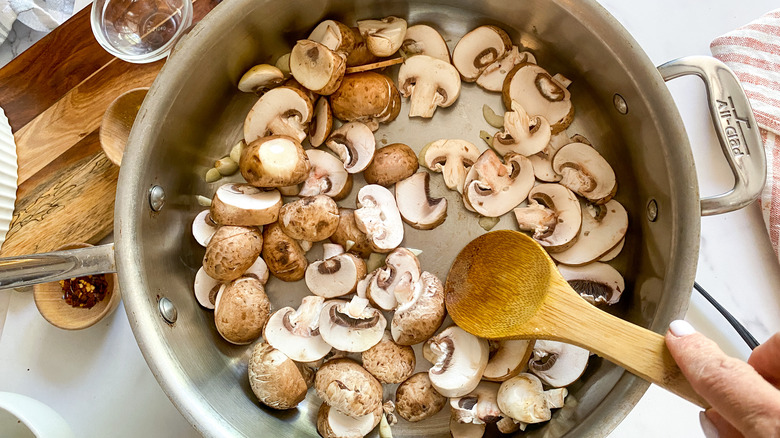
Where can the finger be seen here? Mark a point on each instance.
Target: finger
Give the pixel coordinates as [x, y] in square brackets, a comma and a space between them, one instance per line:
[739, 394]
[715, 426]
[766, 360]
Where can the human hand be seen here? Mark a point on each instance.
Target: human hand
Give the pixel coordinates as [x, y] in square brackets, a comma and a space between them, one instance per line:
[745, 397]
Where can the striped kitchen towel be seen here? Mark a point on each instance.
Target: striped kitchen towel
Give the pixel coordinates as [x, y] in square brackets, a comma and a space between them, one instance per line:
[753, 52]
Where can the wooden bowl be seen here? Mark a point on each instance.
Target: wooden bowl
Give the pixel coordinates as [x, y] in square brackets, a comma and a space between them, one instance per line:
[117, 122]
[53, 308]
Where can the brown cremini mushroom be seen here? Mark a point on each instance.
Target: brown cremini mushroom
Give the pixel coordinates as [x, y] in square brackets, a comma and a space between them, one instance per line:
[241, 310]
[350, 236]
[422, 39]
[347, 387]
[429, 83]
[391, 164]
[539, 94]
[366, 97]
[603, 227]
[355, 145]
[524, 399]
[507, 359]
[598, 283]
[317, 67]
[479, 49]
[452, 158]
[383, 37]
[333, 424]
[260, 79]
[585, 172]
[417, 207]
[274, 161]
[493, 188]
[285, 258]
[327, 176]
[389, 362]
[420, 311]
[281, 111]
[458, 358]
[554, 216]
[336, 274]
[245, 204]
[351, 326]
[312, 218]
[274, 378]
[416, 399]
[295, 332]
[378, 217]
[231, 251]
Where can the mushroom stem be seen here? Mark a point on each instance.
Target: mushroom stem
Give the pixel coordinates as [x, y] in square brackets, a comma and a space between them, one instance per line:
[424, 100]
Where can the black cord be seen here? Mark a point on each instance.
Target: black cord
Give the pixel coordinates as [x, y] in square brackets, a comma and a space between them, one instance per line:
[741, 330]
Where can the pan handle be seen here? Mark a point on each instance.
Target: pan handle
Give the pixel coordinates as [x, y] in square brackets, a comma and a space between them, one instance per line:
[736, 128]
[59, 265]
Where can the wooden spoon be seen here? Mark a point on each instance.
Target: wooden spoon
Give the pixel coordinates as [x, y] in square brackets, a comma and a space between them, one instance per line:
[117, 122]
[503, 285]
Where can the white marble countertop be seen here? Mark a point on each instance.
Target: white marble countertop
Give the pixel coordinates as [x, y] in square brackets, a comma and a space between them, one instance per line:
[98, 381]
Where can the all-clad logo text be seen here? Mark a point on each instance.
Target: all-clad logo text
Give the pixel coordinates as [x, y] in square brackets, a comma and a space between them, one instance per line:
[733, 126]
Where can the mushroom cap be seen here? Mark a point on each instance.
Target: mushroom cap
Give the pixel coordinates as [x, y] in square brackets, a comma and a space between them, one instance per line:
[351, 326]
[562, 206]
[389, 362]
[379, 218]
[479, 49]
[493, 76]
[391, 164]
[348, 231]
[417, 207]
[321, 123]
[479, 406]
[348, 387]
[523, 134]
[430, 82]
[507, 359]
[493, 188]
[416, 399]
[420, 311]
[603, 227]
[274, 161]
[540, 94]
[245, 204]
[284, 256]
[453, 158]
[327, 176]
[281, 111]
[598, 283]
[335, 276]
[334, 35]
[381, 287]
[203, 227]
[333, 424]
[317, 67]
[422, 39]
[242, 310]
[312, 218]
[558, 364]
[458, 358]
[206, 289]
[368, 97]
[275, 378]
[260, 78]
[296, 332]
[523, 398]
[383, 37]
[585, 172]
[231, 251]
[355, 145]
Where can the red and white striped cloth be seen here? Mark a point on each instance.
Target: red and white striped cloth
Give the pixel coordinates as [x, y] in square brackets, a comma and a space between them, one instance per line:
[753, 52]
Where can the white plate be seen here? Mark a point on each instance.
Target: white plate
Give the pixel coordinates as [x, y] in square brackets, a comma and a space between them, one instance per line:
[8, 175]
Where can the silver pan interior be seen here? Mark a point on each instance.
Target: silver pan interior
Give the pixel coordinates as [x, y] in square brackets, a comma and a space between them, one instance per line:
[194, 114]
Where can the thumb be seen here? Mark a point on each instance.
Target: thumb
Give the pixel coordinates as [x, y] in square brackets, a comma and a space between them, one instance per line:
[732, 387]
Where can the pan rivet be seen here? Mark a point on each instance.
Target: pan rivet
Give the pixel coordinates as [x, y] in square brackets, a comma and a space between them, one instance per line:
[652, 210]
[156, 198]
[167, 310]
[620, 104]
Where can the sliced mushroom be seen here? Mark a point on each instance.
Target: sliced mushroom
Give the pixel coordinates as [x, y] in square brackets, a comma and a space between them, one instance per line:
[585, 172]
[383, 37]
[336, 275]
[366, 97]
[391, 164]
[258, 271]
[542, 161]
[416, 399]
[380, 289]
[422, 39]
[274, 161]
[493, 188]
[493, 76]
[478, 406]
[453, 158]
[522, 134]
[479, 49]
[524, 399]
[285, 258]
[231, 251]
[312, 218]
[321, 123]
[275, 379]
[334, 35]
[355, 144]
[458, 358]
[260, 78]
[465, 430]
[421, 309]
[244, 204]
[326, 176]
[333, 424]
[540, 94]
[281, 111]
[507, 359]
[352, 326]
[317, 67]
[241, 311]
[430, 83]
[553, 215]
[417, 207]
[203, 227]
[296, 332]
[614, 252]
[558, 364]
[378, 217]
[603, 227]
[349, 388]
[388, 361]
[598, 283]
[349, 235]
[206, 289]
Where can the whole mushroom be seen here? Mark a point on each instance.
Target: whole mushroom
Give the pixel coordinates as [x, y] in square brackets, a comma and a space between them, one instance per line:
[311, 218]
[366, 97]
[391, 164]
[284, 256]
[241, 310]
[524, 399]
[389, 362]
[416, 399]
[274, 378]
[231, 251]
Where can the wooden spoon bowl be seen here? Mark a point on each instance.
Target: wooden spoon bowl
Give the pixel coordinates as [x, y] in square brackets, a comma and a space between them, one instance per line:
[117, 122]
[55, 310]
[504, 285]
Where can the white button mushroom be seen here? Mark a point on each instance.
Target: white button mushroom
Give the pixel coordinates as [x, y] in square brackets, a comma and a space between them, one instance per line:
[459, 359]
[352, 326]
[416, 399]
[430, 83]
[296, 332]
[275, 380]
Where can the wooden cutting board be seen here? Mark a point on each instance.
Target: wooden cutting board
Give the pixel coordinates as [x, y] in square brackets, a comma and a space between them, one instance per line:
[54, 95]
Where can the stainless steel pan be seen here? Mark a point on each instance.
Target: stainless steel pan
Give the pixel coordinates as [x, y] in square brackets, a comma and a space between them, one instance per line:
[193, 114]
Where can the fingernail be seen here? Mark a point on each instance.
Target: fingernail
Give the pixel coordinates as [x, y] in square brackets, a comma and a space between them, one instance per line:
[709, 429]
[681, 328]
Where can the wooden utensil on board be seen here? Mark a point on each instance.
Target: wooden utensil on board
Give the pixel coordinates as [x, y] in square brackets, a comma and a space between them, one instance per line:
[503, 285]
[117, 122]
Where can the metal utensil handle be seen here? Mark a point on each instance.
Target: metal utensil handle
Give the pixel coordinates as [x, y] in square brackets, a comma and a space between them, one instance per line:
[736, 128]
[59, 265]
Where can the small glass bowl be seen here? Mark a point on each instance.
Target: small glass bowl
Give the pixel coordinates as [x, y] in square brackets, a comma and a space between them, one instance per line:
[140, 31]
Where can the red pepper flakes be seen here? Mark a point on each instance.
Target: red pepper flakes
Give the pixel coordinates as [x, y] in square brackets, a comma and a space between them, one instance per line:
[84, 292]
